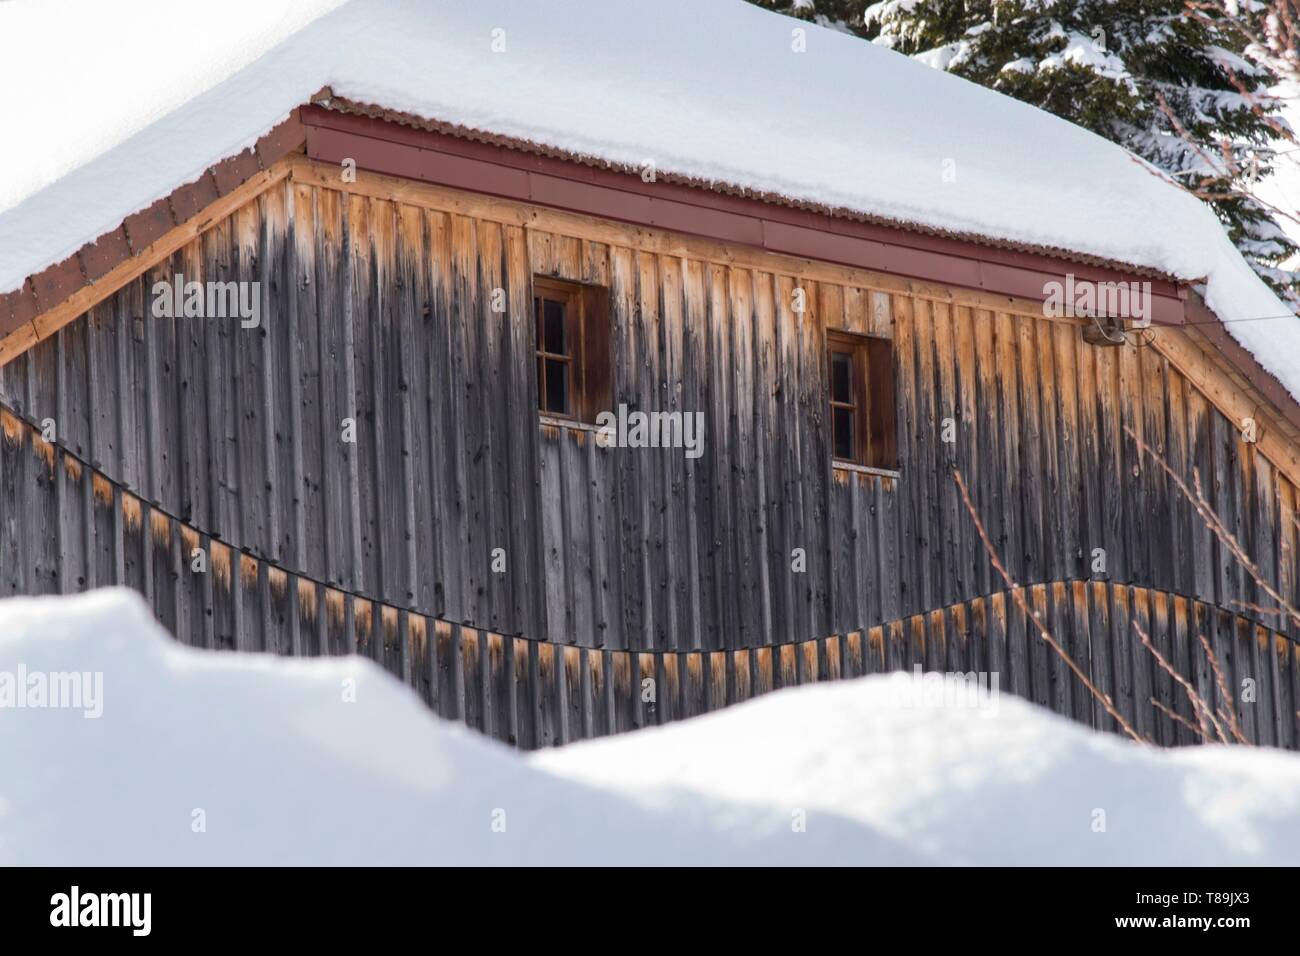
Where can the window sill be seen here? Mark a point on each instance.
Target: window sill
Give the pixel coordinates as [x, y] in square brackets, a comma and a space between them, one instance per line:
[865, 469]
[556, 421]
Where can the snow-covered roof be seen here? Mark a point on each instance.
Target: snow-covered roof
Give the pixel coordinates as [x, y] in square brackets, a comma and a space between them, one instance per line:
[117, 105]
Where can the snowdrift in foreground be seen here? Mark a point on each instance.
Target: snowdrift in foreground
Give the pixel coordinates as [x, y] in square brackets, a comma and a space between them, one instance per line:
[332, 761]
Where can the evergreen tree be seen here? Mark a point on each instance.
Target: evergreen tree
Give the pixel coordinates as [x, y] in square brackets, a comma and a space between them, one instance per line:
[844, 15]
[1181, 86]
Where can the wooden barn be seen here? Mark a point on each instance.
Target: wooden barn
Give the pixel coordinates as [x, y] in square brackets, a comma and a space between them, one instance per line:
[574, 444]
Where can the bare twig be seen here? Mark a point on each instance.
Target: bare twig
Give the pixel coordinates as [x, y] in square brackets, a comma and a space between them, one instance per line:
[1017, 594]
[1259, 608]
[1198, 731]
[1215, 524]
[1199, 705]
[1230, 718]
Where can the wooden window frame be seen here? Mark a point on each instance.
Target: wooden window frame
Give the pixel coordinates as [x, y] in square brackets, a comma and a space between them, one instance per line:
[875, 425]
[586, 333]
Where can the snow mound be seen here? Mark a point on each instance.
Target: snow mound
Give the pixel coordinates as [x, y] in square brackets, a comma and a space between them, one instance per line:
[713, 89]
[1000, 783]
[308, 762]
[196, 757]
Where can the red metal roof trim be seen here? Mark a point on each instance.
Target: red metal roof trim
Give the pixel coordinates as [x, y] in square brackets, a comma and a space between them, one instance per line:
[333, 103]
[384, 146]
[54, 285]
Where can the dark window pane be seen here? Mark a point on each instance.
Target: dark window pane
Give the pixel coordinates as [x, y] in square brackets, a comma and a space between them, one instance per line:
[557, 386]
[553, 327]
[842, 377]
[842, 432]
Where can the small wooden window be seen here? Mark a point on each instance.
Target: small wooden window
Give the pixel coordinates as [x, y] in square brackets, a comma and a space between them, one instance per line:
[860, 382]
[572, 329]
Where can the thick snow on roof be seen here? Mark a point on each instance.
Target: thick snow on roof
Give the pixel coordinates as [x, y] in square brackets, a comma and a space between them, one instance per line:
[182, 757]
[141, 100]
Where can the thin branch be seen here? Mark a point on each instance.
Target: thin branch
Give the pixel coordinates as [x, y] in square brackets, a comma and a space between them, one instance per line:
[1215, 524]
[1259, 608]
[1017, 594]
[1198, 731]
[1231, 716]
[1198, 702]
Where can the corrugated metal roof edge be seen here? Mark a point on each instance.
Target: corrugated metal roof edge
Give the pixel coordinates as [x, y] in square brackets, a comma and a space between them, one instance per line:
[328, 100]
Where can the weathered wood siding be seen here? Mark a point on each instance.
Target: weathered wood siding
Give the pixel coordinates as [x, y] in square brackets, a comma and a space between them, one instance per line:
[68, 527]
[380, 311]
